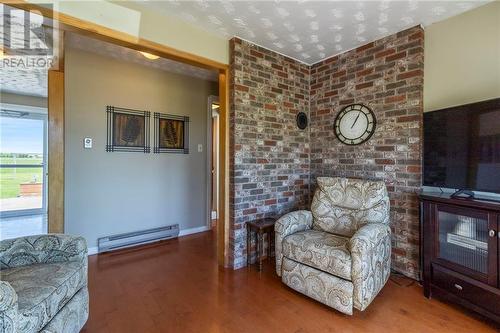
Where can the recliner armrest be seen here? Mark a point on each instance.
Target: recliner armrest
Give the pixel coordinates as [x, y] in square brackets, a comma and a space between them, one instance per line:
[8, 308]
[288, 224]
[41, 249]
[370, 250]
[368, 236]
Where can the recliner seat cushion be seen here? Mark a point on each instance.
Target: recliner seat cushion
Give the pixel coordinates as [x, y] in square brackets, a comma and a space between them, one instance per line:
[323, 287]
[43, 290]
[341, 206]
[321, 250]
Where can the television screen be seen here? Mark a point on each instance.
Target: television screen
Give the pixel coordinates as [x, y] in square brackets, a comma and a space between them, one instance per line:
[462, 147]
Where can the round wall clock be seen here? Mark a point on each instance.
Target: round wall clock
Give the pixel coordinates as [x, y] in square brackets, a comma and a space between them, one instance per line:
[355, 124]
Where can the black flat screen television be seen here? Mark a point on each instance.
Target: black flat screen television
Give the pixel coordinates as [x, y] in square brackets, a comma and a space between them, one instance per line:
[462, 147]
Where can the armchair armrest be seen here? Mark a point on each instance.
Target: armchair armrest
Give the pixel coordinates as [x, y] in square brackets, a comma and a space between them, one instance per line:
[286, 225]
[8, 308]
[370, 250]
[39, 249]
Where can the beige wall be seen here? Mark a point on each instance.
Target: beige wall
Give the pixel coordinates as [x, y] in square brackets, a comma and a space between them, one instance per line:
[462, 58]
[140, 22]
[110, 193]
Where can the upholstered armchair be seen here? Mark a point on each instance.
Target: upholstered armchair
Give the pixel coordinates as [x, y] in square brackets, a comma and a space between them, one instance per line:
[339, 253]
[43, 284]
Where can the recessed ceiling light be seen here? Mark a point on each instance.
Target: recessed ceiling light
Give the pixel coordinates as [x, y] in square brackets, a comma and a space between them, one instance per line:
[149, 55]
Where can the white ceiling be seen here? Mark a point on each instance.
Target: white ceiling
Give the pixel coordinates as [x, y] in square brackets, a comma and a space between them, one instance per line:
[33, 82]
[21, 80]
[310, 31]
[122, 53]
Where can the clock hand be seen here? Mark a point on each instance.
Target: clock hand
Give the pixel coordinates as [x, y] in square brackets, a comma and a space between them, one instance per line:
[355, 120]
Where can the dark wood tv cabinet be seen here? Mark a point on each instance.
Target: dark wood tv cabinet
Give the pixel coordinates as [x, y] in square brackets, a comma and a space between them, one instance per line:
[460, 251]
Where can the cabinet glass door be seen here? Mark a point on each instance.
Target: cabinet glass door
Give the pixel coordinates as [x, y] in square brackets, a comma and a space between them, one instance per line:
[463, 240]
[466, 242]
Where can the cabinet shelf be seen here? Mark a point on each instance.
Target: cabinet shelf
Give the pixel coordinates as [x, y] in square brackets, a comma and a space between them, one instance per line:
[466, 242]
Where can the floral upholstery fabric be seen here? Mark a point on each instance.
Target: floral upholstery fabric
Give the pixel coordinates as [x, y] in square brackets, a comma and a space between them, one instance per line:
[340, 253]
[40, 276]
[72, 316]
[43, 290]
[341, 205]
[371, 262]
[286, 225]
[41, 249]
[8, 307]
[323, 287]
[320, 250]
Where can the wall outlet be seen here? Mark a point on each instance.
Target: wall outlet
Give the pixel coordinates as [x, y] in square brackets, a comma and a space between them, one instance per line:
[200, 148]
[87, 143]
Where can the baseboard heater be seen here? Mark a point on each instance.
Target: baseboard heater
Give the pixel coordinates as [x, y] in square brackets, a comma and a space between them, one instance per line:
[115, 242]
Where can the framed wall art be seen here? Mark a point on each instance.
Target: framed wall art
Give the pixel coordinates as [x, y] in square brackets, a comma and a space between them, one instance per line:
[171, 134]
[127, 130]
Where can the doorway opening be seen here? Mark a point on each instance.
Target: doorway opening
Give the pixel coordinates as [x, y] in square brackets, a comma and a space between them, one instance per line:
[174, 96]
[213, 160]
[56, 113]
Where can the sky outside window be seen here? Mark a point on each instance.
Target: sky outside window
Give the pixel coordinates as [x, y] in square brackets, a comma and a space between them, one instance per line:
[18, 135]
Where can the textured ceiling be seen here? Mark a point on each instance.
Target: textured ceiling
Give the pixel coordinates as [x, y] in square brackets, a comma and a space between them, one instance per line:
[126, 54]
[310, 31]
[33, 82]
[21, 80]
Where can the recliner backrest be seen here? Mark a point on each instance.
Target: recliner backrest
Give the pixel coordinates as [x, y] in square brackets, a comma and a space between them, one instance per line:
[342, 205]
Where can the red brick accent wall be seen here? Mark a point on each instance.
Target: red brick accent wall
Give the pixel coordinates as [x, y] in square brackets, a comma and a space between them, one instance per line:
[269, 155]
[387, 76]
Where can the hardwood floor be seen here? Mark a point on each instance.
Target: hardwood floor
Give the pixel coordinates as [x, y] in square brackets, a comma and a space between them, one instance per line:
[176, 286]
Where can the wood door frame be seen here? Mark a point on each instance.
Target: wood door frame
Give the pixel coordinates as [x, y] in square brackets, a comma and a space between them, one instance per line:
[210, 190]
[55, 177]
[69, 23]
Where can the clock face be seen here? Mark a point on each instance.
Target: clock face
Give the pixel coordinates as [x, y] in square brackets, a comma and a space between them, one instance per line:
[355, 124]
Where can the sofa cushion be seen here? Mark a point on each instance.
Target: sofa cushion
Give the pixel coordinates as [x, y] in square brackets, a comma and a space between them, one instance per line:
[320, 250]
[43, 290]
[341, 205]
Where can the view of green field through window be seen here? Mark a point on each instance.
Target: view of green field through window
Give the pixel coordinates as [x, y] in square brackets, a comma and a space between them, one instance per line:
[21, 164]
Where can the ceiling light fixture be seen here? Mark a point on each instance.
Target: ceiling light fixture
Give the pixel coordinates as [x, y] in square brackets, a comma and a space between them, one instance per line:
[149, 55]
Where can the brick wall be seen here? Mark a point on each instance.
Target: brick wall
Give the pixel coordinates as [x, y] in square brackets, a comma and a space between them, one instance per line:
[269, 155]
[386, 75]
[271, 160]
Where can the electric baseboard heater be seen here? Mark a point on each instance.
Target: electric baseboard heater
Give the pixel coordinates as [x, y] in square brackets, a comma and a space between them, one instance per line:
[116, 242]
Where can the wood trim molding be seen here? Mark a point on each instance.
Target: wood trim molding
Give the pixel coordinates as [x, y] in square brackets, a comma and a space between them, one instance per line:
[70, 23]
[56, 103]
[55, 202]
[223, 218]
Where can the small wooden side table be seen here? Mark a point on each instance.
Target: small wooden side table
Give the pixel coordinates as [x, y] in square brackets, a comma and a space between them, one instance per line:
[260, 227]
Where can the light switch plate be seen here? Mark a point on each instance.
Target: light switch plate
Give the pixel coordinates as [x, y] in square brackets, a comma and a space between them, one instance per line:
[200, 148]
[87, 143]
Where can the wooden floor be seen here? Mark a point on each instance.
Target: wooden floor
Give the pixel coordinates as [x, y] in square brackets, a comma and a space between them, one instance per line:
[176, 286]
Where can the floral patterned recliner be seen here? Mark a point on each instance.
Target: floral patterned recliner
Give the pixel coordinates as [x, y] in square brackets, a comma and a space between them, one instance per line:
[43, 284]
[339, 253]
